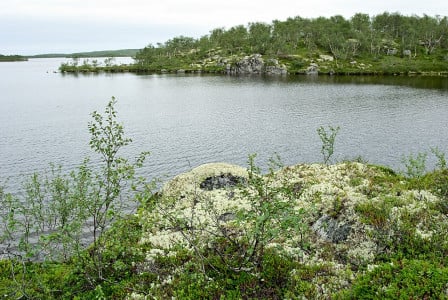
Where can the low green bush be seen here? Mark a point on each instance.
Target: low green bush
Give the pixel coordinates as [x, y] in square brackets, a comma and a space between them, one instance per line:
[403, 279]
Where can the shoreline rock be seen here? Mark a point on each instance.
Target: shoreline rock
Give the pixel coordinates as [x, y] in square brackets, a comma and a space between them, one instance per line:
[255, 64]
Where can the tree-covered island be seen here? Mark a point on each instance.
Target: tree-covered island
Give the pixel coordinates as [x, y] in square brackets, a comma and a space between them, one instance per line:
[389, 43]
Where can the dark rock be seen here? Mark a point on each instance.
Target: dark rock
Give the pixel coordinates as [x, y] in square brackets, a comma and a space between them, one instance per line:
[221, 182]
[249, 65]
[329, 229]
[255, 64]
[225, 217]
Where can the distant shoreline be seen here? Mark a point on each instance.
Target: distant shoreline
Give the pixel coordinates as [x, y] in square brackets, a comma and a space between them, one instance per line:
[11, 58]
[322, 68]
[91, 54]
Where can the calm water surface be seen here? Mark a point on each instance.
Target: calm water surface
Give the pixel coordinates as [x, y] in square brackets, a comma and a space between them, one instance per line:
[188, 120]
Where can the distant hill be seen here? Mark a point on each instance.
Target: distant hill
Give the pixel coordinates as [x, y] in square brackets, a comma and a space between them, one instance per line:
[12, 58]
[102, 53]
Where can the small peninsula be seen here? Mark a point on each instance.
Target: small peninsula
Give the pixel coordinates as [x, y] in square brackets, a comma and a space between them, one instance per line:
[385, 44]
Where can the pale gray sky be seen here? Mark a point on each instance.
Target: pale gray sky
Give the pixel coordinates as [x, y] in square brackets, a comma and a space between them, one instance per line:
[54, 26]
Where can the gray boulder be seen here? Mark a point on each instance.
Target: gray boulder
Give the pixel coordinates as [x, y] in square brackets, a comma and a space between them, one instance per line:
[407, 52]
[313, 69]
[329, 229]
[254, 64]
[249, 65]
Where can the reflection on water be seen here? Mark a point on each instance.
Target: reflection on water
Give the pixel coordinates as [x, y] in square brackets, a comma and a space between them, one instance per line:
[423, 82]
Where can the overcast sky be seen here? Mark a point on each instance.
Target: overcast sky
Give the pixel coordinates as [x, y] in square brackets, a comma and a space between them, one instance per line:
[65, 26]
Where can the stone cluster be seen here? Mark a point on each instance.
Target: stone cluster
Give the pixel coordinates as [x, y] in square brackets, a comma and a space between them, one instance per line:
[255, 64]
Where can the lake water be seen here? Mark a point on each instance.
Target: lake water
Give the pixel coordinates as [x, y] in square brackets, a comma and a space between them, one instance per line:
[187, 120]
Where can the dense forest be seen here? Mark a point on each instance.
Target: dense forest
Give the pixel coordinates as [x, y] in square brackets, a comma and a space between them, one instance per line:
[389, 42]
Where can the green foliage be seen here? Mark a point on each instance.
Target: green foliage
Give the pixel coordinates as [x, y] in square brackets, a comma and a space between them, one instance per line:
[437, 181]
[271, 214]
[378, 214]
[440, 188]
[395, 229]
[48, 224]
[104, 194]
[441, 159]
[296, 64]
[415, 166]
[192, 283]
[120, 255]
[403, 279]
[20, 280]
[328, 139]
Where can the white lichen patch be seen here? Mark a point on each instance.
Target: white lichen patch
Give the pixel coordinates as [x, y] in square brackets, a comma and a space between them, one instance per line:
[363, 253]
[136, 296]
[153, 254]
[189, 182]
[423, 195]
[165, 239]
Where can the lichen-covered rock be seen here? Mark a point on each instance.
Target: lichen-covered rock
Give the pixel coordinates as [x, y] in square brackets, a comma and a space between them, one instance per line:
[195, 200]
[331, 230]
[355, 214]
[190, 182]
[340, 200]
[324, 57]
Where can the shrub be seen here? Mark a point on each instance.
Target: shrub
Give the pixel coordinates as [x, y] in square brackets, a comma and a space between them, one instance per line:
[328, 139]
[47, 224]
[403, 279]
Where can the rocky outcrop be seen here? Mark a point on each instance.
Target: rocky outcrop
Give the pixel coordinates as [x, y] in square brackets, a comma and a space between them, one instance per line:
[221, 181]
[353, 214]
[255, 64]
[272, 66]
[313, 69]
[249, 64]
[335, 197]
[329, 229]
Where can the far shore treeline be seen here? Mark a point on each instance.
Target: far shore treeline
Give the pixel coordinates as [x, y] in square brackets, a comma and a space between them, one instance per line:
[12, 58]
[388, 43]
[102, 53]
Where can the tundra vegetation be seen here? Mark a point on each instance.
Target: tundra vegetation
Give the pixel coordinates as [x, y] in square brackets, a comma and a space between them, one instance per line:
[388, 43]
[348, 230]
